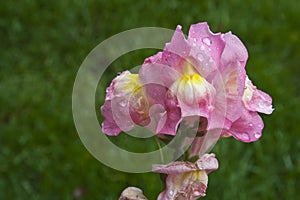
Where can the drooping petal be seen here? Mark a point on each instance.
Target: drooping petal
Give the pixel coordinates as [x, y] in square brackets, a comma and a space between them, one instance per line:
[256, 100]
[248, 128]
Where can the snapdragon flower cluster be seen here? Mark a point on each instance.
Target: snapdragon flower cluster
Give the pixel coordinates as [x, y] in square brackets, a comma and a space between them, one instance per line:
[200, 77]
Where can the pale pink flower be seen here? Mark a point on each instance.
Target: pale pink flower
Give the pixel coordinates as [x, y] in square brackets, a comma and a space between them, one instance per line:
[186, 180]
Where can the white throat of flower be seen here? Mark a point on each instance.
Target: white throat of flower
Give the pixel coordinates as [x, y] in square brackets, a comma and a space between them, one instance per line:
[191, 87]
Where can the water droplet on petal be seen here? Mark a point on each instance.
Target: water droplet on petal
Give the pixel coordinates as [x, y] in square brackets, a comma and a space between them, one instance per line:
[200, 57]
[202, 47]
[206, 41]
[194, 44]
[245, 136]
[257, 135]
[250, 124]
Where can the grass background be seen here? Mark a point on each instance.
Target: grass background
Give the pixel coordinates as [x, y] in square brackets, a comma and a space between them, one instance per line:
[42, 46]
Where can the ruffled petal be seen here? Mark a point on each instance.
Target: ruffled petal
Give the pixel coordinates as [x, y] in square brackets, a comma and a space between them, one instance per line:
[208, 162]
[256, 100]
[212, 44]
[186, 180]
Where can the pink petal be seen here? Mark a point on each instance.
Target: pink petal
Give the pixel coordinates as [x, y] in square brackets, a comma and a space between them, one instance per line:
[256, 100]
[165, 113]
[234, 51]
[178, 44]
[208, 162]
[233, 78]
[109, 125]
[175, 168]
[173, 115]
[248, 128]
[156, 71]
[213, 44]
[261, 102]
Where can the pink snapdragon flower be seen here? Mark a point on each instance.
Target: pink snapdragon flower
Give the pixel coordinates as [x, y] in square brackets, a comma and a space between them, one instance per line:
[186, 180]
[202, 76]
[206, 72]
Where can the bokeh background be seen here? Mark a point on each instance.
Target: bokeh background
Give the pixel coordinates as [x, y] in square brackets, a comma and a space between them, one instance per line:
[42, 46]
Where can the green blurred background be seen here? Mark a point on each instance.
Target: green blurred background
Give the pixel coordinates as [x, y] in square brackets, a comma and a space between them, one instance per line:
[42, 46]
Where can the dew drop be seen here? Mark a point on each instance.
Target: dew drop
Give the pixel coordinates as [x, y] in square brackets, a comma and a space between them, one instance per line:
[202, 47]
[257, 135]
[200, 57]
[194, 44]
[206, 41]
[250, 124]
[245, 136]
